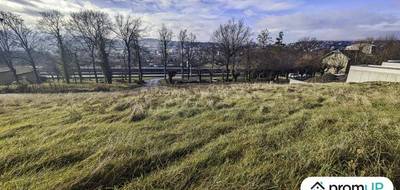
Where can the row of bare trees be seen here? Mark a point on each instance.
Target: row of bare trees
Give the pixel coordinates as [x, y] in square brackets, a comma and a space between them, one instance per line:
[93, 34]
[14, 33]
[232, 48]
[92, 31]
[269, 60]
[187, 45]
[188, 49]
[231, 38]
[88, 30]
[128, 29]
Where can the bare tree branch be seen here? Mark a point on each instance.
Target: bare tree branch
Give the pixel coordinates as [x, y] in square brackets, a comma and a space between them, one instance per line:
[53, 23]
[165, 37]
[230, 38]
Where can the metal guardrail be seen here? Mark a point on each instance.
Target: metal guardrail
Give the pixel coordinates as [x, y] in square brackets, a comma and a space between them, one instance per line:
[147, 72]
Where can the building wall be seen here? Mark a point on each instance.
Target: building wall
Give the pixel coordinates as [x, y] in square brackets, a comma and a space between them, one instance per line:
[369, 49]
[391, 64]
[6, 78]
[365, 48]
[373, 74]
[294, 81]
[27, 77]
[334, 60]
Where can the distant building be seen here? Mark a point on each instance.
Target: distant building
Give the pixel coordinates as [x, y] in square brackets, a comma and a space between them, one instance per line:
[363, 47]
[336, 61]
[339, 61]
[25, 74]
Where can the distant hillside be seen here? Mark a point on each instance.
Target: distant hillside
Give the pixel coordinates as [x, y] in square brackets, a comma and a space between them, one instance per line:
[154, 44]
[318, 45]
[324, 45]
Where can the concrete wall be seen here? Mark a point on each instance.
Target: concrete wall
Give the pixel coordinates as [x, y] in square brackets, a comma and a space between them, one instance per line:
[373, 73]
[391, 64]
[294, 81]
[6, 77]
[27, 77]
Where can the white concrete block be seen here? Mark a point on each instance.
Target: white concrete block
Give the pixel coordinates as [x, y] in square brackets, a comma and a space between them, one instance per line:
[391, 64]
[388, 72]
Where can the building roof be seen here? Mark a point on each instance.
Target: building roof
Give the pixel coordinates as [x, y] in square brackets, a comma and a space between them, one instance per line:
[357, 46]
[348, 54]
[333, 52]
[366, 48]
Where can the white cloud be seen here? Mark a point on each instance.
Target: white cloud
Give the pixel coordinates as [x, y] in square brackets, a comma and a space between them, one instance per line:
[264, 5]
[332, 25]
[191, 15]
[203, 16]
[249, 12]
[30, 9]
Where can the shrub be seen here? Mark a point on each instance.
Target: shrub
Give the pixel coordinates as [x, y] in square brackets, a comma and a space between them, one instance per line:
[138, 113]
[101, 88]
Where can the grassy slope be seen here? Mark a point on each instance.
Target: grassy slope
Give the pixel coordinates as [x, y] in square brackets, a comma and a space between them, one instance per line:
[238, 136]
[55, 87]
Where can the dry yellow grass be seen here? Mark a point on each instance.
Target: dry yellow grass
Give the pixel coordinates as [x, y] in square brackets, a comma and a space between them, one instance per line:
[241, 136]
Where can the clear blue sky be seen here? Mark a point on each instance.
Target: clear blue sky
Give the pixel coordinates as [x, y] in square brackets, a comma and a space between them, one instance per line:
[323, 19]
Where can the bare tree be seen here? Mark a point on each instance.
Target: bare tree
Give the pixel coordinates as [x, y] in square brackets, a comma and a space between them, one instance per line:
[53, 23]
[6, 45]
[92, 50]
[230, 38]
[95, 27]
[212, 52]
[279, 39]
[311, 55]
[190, 52]
[25, 37]
[87, 44]
[264, 38]
[202, 60]
[307, 44]
[127, 29]
[248, 58]
[389, 49]
[182, 42]
[165, 37]
[138, 51]
[72, 50]
[78, 66]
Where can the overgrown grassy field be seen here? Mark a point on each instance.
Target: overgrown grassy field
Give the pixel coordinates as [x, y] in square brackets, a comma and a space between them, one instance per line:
[240, 136]
[59, 87]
